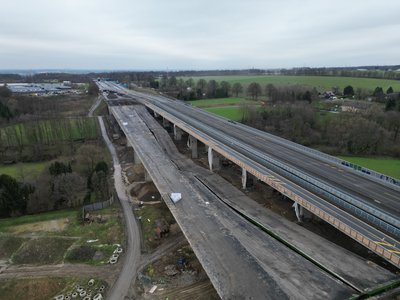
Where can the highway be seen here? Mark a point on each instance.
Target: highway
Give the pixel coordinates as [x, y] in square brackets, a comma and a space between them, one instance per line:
[249, 143]
[241, 260]
[352, 269]
[377, 195]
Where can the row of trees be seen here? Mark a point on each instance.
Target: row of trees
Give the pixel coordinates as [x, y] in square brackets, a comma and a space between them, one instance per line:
[372, 131]
[190, 89]
[366, 72]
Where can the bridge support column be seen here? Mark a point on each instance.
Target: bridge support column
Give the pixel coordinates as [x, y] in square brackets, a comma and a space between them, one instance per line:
[177, 133]
[147, 177]
[298, 209]
[165, 122]
[192, 144]
[213, 160]
[136, 159]
[244, 178]
[155, 115]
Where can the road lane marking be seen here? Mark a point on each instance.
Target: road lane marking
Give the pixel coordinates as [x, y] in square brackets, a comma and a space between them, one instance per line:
[385, 244]
[391, 195]
[393, 250]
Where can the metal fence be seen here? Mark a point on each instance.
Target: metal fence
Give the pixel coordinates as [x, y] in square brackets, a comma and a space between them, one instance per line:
[97, 206]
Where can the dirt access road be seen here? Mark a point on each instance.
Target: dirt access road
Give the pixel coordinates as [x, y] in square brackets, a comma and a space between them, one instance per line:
[94, 106]
[121, 288]
[107, 273]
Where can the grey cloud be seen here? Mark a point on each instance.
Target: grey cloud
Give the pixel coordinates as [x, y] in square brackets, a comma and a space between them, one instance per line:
[180, 34]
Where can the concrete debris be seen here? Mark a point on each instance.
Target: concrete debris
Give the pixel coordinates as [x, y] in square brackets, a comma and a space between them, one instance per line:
[91, 219]
[153, 289]
[170, 270]
[92, 241]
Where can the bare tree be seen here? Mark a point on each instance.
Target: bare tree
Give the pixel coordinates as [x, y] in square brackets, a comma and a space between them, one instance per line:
[87, 157]
[201, 87]
[68, 190]
[237, 88]
[254, 90]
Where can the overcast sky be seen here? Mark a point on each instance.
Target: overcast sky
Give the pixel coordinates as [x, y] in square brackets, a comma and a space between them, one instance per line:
[191, 34]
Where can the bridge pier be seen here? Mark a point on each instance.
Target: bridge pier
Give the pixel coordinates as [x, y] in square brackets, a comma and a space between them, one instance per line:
[165, 122]
[298, 209]
[177, 133]
[192, 144]
[147, 177]
[213, 160]
[244, 178]
[136, 159]
[155, 115]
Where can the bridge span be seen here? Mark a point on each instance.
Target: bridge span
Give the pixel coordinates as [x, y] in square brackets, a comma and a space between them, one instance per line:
[364, 208]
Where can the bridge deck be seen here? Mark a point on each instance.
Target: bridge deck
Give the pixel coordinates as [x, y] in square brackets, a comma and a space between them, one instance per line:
[345, 264]
[241, 260]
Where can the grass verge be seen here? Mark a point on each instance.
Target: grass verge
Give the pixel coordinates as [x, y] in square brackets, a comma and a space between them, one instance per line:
[387, 166]
[220, 102]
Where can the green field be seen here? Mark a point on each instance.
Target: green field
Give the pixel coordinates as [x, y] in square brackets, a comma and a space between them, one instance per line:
[321, 83]
[390, 167]
[229, 108]
[229, 112]
[24, 169]
[220, 102]
[48, 131]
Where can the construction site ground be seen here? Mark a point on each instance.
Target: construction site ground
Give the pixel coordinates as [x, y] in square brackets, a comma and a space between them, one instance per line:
[54, 255]
[279, 204]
